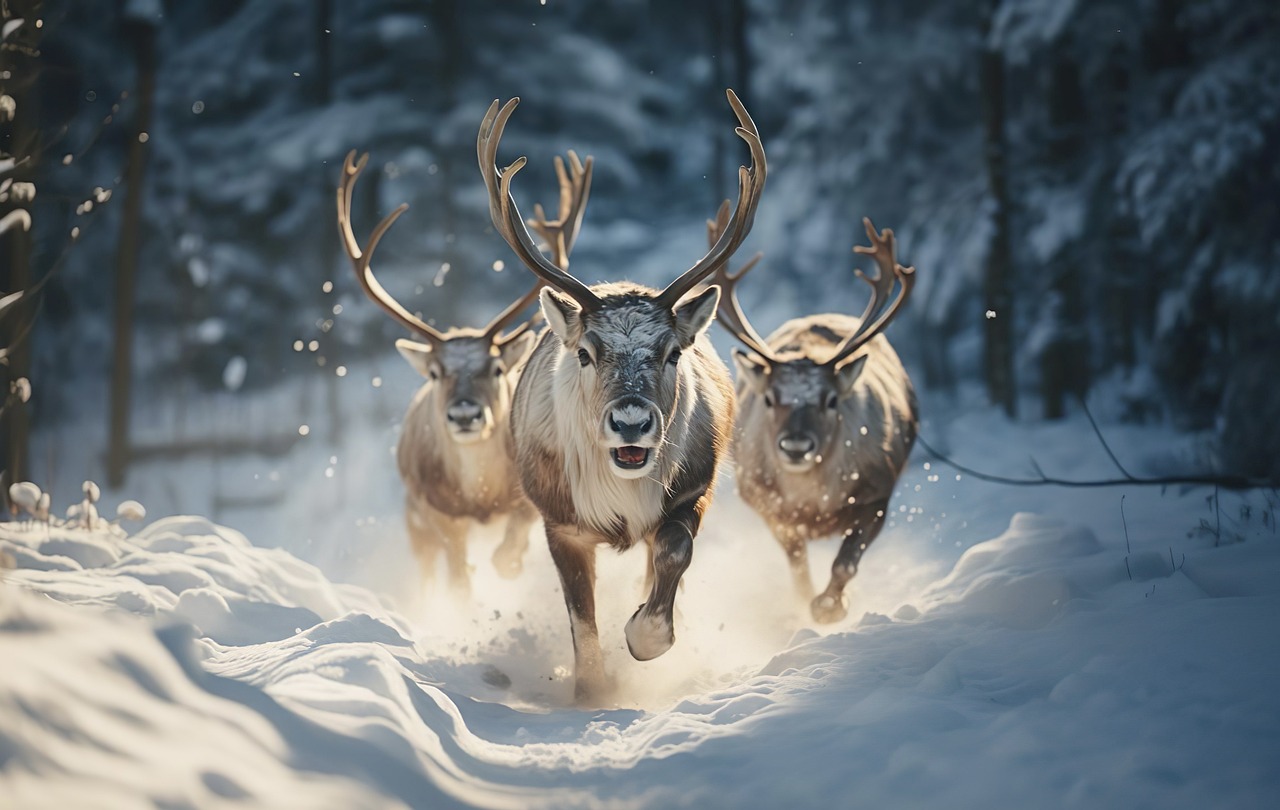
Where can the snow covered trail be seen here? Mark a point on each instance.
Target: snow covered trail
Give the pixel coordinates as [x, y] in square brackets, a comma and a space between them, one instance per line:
[1049, 666]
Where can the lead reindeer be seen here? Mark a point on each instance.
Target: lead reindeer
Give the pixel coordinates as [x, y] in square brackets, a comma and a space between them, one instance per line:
[623, 413]
[826, 419]
[455, 454]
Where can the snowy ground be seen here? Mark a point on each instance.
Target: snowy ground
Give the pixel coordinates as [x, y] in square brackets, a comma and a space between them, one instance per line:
[1004, 647]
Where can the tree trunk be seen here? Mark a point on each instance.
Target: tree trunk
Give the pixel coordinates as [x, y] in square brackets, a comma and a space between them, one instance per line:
[446, 19]
[997, 295]
[738, 20]
[1064, 362]
[16, 424]
[22, 141]
[1129, 310]
[323, 86]
[326, 247]
[143, 36]
[935, 355]
[719, 77]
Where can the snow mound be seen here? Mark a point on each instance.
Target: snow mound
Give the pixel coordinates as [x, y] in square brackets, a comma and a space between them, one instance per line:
[100, 710]
[1025, 577]
[186, 666]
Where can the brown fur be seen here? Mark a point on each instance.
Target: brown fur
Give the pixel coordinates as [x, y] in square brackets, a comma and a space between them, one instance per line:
[800, 506]
[431, 469]
[555, 422]
[450, 484]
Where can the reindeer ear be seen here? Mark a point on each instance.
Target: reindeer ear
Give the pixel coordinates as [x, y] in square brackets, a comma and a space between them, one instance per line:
[514, 352]
[695, 315]
[751, 369]
[563, 315]
[418, 355]
[847, 373]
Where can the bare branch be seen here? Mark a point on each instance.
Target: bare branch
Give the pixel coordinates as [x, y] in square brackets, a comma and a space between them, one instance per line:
[1232, 482]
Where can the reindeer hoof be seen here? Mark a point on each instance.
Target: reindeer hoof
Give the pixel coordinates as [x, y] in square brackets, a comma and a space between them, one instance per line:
[593, 691]
[827, 609]
[649, 636]
[508, 564]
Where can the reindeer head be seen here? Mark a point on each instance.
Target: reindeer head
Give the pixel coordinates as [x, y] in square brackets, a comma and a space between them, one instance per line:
[470, 372]
[802, 403]
[621, 344]
[620, 363]
[473, 376]
[801, 397]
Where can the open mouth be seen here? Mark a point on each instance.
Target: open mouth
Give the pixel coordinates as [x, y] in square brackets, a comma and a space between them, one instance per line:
[630, 457]
[466, 434]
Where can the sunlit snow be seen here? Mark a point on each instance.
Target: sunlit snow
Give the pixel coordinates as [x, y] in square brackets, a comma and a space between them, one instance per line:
[1009, 649]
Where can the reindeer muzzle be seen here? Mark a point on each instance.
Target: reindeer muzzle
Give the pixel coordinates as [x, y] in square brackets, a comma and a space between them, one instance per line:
[797, 449]
[465, 416]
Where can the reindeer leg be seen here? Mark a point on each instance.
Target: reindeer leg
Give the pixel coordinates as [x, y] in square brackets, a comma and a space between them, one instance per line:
[797, 551]
[574, 554]
[648, 567]
[423, 540]
[455, 555]
[508, 557]
[432, 531]
[650, 631]
[832, 605]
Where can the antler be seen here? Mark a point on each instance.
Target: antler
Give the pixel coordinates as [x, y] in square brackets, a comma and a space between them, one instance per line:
[561, 233]
[506, 215]
[351, 170]
[560, 236]
[882, 250]
[509, 314]
[730, 313]
[750, 184]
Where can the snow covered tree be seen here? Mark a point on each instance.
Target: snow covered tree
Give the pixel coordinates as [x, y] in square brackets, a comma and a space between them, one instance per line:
[20, 26]
[140, 19]
[1133, 221]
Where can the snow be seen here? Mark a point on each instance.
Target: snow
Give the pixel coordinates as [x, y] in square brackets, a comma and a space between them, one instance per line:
[1061, 222]
[1005, 646]
[1020, 26]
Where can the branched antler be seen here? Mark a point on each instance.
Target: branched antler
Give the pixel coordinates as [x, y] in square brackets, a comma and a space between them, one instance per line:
[575, 190]
[360, 259]
[506, 215]
[750, 184]
[560, 235]
[729, 313]
[507, 220]
[879, 311]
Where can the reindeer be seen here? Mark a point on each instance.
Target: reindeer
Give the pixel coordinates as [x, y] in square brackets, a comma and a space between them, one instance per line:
[623, 413]
[455, 453]
[827, 418]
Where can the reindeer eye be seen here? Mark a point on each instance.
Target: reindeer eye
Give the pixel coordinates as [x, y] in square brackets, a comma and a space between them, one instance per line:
[768, 400]
[584, 358]
[832, 400]
[433, 375]
[674, 357]
[498, 369]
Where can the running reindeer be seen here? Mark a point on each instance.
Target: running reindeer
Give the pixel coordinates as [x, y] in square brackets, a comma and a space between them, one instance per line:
[623, 413]
[455, 453]
[827, 418]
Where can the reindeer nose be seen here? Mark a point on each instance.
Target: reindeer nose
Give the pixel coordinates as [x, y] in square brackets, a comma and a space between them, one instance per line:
[797, 447]
[464, 413]
[630, 421]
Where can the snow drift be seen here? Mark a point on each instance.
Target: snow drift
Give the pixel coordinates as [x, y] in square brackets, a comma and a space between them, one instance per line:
[185, 666]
